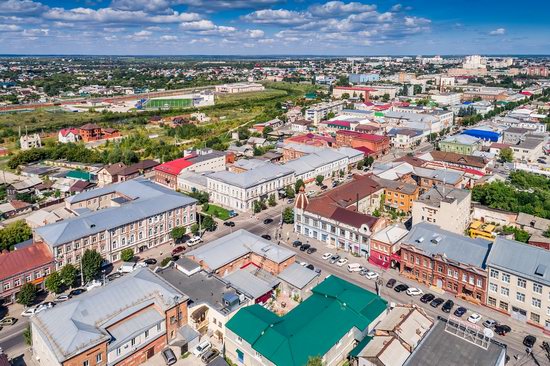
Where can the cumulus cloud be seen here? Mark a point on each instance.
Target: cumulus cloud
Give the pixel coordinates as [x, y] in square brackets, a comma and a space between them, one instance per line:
[168, 38]
[498, 32]
[108, 15]
[255, 33]
[21, 7]
[198, 25]
[9, 28]
[279, 16]
[335, 8]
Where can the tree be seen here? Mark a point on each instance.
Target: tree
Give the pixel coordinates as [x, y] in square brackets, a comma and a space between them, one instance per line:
[68, 275]
[91, 264]
[266, 131]
[547, 232]
[315, 361]
[272, 201]
[330, 115]
[360, 164]
[127, 255]
[288, 215]
[385, 97]
[54, 282]
[345, 96]
[165, 261]
[319, 180]
[368, 160]
[289, 191]
[506, 155]
[177, 233]
[299, 184]
[208, 223]
[195, 229]
[27, 294]
[257, 206]
[27, 335]
[14, 233]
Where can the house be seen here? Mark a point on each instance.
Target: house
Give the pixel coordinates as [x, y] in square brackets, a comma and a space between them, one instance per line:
[448, 208]
[519, 281]
[384, 246]
[530, 149]
[66, 135]
[399, 195]
[297, 281]
[405, 138]
[377, 143]
[125, 322]
[451, 160]
[340, 311]
[461, 144]
[167, 173]
[109, 173]
[81, 186]
[90, 132]
[361, 194]
[300, 125]
[31, 264]
[14, 208]
[141, 168]
[532, 224]
[428, 178]
[446, 260]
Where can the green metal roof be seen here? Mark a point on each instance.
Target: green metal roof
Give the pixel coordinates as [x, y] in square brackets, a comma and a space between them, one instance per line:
[78, 174]
[359, 347]
[313, 327]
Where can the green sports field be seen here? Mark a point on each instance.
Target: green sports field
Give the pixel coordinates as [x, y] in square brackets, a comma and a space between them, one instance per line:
[168, 103]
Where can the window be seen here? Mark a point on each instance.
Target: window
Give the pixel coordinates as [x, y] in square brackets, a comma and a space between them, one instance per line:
[493, 287]
[449, 272]
[504, 305]
[7, 286]
[522, 283]
[146, 333]
[158, 327]
[493, 273]
[492, 301]
[86, 363]
[17, 282]
[506, 277]
[535, 318]
[118, 351]
[536, 303]
[464, 277]
[520, 297]
[99, 358]
[133, 342]
[479, 282]
[505, 291]
[537, 288]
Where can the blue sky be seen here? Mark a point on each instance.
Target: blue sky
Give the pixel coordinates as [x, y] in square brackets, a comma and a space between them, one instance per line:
[249, 27]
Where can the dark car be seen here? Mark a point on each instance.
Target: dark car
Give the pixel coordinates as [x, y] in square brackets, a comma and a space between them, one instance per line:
[391, 282]
[460, 311]
[529, 341]
[268, 221]
[305, 247]
[401, 288]
[323, 187]
[178, 250]
[150, 261]
[436, 302]
[502, 329]
[311, 250]
[76, 292]
[310, 266]
[448, 306]
[266, 236]
[334, 259]
[210, 355]
[229, 223]
[426, 298]
[296, 243]
[169, 356]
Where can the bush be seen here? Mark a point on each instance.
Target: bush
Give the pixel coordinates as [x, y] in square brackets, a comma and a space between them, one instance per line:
[27, 294]
[127, 255]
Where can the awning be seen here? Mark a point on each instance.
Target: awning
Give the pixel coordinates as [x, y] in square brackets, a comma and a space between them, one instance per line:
[185, 335]
[357, 349]
[199, 313]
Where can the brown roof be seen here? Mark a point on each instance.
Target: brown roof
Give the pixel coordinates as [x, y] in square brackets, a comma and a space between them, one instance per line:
[23, 260]
[413, 160]
[17, 204]
[397, 186]
[142, 165]
[110, 130]
[451, 157]
[115, 168]
[90, 126]
[81, 185]
[360, 187]
[320, 206]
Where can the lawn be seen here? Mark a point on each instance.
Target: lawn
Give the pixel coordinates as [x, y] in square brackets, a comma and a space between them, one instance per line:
[168, 103]
[218, 212]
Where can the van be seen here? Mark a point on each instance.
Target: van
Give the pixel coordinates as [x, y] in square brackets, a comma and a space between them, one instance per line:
[127, 267]
[194, 241]
[202, 348]
[354, 267]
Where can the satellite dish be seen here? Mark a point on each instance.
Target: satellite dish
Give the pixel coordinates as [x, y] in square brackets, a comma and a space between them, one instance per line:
[488, 333]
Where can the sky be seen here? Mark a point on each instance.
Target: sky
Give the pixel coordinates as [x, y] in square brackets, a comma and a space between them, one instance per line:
[274, 27]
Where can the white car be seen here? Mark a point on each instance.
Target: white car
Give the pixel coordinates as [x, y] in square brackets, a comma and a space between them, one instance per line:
[93, 284]
[61, 298]
[202, 348]
[413, 291]
[29, 312]
[370, 275]
[341, 262]
[474, 318]
[327, 255]
[194, 241]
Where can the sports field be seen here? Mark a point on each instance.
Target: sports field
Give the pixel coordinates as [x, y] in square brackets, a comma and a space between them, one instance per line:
[168, 103]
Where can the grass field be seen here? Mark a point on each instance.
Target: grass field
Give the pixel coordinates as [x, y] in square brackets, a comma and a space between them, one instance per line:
[168, 103]
[218, 212]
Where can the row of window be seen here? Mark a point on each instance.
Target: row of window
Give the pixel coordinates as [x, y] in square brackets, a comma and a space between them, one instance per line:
[505, 277]
[8, 285]
[520, 296]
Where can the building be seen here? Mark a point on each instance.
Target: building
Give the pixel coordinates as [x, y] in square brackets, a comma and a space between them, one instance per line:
[141, 168]
[446, 260]
[14, 208]
[482, 230]
[446, 98]
[428, 178]
[66, 135]
[362, 93]
[485, 94]
[109, 174]
[297, 281]
[514, 135]
[384, 246]
[341, 312]
[530, 149]
[167, 173]
[451, 160]
[363, 78]
[30, 141]
[532, 224]
[136, 214]
[399, 195]
[460, 144]
[519, 281]
[405, 138]
[31, 264]
[90, 132]
[206, 160]
[318, 112]
[239, 88]
[420, 121]
[377, 143]
[447, 208]
[126, 322]
[240, 249]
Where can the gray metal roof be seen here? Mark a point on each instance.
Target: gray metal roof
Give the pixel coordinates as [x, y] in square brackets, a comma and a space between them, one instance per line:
[251, 178]
[228, 248]
[449, 176]
[126, 330]
[524, 260]
[78, 324]
[297, 275]
[245, 281]
[439, 194]
[433, 240]
[149, 199]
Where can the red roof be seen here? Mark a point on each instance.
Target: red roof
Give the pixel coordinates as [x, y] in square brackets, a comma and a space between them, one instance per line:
[174, 167]
[526, 93]
[308, 137]
[362, 136]
[23, 260]
[365, 150]
[498, 145]
[337, 123]
[66, 131]
[356, 88]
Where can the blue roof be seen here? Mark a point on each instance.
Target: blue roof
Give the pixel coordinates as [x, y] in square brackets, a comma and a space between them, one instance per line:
[483, 134]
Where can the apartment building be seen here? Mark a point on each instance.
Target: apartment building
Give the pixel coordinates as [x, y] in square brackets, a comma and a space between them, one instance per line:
[136, 214]
[377, 143]
[529, 149]
[361, 92]
[446, 260]
[448, 208]
[239, 88]
[398, 195]
[519, 281]
[384, 246]
[124, 323]
[318, 112]
[461, 144]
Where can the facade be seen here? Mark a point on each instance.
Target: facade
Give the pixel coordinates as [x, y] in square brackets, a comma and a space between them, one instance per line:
[67, 135]
[30, 141]
[341, 312]
[446, 98]
[142, 168]
[384, 246]
[239, 88]
[353, 91]
[125, 323]
[206, 161]
[460, 144]
[405, 138]
[529, 150]
[447, 208]
[377, 143]
[109, 174]
[446, 260]
[90, 132]
[31, 264]
[318, 112]
[363, 78]
[519, 281]
[399, 195]
[167, 173]
[136, 214]
[514, 135]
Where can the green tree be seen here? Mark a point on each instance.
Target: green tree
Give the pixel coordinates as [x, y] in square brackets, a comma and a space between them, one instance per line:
[14, 233]
[345, 96]
[272, 201]
[506, 155]
[208, 223]
[299, 184]
[68, 275]
[369, 160]
[547, 233]
[288, 215]
[385, 97]
[257, 206]
[178, 233]
[315, 361]
[360, 164]
[330, 115]
[27, 335]
[127, 255]
[91, 264]
[27, 294]
[54, 282]
[266, 131]
[319, 180]
[165, 261]
[195, 229]
[289, 191]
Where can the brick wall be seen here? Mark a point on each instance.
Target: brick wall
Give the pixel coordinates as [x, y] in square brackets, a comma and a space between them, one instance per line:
[90, 356]
[140, 357]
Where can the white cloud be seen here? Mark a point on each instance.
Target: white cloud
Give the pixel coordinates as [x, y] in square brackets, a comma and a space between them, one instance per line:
[255, 33]
[279, 16]
[198, 25]
[416, 21]
[168, 38]
[396, 7]
[21, 7]
[108, 15]
[336, 8]
[498, 32]
[9, 28]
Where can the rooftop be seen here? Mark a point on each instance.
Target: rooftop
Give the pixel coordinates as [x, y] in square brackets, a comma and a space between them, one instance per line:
[253, 177]
[174, 167]
[439, 194]
[297, 275]
[23, 260]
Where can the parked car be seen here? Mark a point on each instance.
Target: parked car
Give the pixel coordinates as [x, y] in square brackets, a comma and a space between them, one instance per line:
[229, 223]
[266, 236]
[371, 275]
[150, 261]
[169, 356]
[194, 241]
[9, 320]
[76, 292]
[502, 329]
[202, 348]
[460, 311]
[61, 298]
[310, 266]
[290, 201]
[323, 187]
[354, 267]
[304, 247]
[327, 256]
[27, 313]
[400, 288]
[268, 221]
[474, 318]
[341, 262]
[335, 258]
[448, 306]
[311, 250]
[296, 243]
[489, 323]
[413, 291]
[127, 267]
[426, 298]
[529, 341]
[210, 356]
[93, 284]
[391, 282]
[436, 302]
[178, 250]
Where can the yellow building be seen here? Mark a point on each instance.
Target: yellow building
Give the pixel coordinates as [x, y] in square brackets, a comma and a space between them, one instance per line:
[482, 230]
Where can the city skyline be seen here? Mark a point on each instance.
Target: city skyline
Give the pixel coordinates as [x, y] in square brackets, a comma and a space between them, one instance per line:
[270, 27]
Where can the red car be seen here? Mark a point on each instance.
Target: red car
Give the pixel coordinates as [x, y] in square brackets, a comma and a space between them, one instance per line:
[177, 250]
